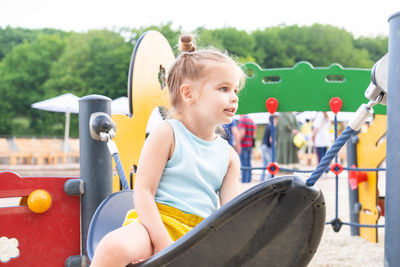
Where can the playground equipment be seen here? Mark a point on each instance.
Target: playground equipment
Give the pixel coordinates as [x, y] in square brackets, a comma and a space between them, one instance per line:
[110, 204]
[151, 58]
[392, 209]
[43, 233]
[371, 151]
[288, 85]
[392, 227]
[96, 170]
[323, 85]
[304, 88]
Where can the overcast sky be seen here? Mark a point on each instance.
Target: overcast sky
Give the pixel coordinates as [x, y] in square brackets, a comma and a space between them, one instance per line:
[360, 17]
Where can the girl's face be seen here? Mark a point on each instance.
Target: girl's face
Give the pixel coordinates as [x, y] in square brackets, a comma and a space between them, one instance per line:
[217, 99]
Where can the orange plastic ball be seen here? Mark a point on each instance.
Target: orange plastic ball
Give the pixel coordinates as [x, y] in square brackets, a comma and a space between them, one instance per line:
[39, 201]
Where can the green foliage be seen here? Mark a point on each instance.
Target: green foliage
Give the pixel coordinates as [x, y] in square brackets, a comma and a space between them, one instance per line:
[236, 42]
[39, 64]
[375, 47]
[20, 126]
[166, 29]
[321, 45]
[93, 63]
[23, 72]
[10, 37]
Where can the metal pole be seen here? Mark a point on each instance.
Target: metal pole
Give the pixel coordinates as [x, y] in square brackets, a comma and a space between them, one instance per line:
[351, 149]
[95, 162]
[66, 133]
[392, 207]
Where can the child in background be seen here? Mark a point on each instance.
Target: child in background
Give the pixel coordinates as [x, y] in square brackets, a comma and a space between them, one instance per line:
[186, 170]
[247, 132]
[321, 135]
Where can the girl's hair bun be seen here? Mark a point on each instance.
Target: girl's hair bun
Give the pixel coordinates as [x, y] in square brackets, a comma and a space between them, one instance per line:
[186, 43]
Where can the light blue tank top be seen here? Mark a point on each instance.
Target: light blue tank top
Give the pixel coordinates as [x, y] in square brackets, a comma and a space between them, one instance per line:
[193, 176]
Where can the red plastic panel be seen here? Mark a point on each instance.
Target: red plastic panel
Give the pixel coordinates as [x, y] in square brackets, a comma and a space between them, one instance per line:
[45, 239]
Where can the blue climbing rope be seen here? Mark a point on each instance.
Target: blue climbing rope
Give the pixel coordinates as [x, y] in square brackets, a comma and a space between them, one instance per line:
[330, 155]
[121, 172]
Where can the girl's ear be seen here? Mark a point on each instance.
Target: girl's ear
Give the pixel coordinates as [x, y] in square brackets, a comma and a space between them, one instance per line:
[186, 93]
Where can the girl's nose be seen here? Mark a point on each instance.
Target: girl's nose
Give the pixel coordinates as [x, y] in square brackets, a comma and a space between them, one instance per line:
[234, 97]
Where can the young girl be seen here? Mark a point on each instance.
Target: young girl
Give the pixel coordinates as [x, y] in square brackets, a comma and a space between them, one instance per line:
[185, 169]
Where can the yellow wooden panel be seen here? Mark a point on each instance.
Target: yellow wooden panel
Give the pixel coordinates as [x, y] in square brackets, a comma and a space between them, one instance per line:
[371, 151]
[153, 55]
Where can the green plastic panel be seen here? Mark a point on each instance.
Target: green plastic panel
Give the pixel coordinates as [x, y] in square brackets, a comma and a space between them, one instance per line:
[304, 88]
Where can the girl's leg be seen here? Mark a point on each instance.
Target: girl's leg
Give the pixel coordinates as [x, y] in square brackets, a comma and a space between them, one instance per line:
[122, 246]
[264, 157]
[321, 151]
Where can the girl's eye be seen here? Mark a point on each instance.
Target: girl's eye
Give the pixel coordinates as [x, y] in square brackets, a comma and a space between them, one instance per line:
[223, 89]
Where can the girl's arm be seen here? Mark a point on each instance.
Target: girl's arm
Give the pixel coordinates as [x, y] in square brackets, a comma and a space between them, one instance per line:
[230, 185]
[236, 139]
[156, 151]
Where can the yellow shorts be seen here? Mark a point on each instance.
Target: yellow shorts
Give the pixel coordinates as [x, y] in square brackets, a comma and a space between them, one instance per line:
[177, 222]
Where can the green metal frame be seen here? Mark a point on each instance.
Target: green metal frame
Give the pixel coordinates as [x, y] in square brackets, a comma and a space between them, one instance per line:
[304, 88]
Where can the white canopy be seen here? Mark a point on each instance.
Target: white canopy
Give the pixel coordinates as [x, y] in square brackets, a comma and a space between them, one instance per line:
[120, 105]
[63, 103]
[67, 103]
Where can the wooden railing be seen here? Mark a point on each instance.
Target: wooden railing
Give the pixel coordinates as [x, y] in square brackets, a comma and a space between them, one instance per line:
[38, 151]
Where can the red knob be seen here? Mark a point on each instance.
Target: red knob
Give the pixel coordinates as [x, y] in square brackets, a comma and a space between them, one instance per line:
[336, 104]
[272, 168]
[271, 104]
[337, 168]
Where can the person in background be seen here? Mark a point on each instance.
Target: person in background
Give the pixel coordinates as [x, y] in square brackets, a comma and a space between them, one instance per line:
[266, 149]
[232, 135]
[247, 131]
[321, 135]
[286, 128]
[306, 130]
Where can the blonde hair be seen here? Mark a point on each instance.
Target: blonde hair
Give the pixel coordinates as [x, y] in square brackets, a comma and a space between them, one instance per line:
[191, 64]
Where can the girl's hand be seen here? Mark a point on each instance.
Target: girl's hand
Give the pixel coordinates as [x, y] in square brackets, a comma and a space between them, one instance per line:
[162, 244]
[134, 262]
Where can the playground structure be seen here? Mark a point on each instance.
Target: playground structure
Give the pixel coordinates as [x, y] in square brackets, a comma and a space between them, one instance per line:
[371, 152]
[95, 162]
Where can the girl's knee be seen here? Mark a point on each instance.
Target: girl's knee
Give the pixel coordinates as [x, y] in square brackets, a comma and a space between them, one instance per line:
[109, 245]
[139, 240]
[127, 244]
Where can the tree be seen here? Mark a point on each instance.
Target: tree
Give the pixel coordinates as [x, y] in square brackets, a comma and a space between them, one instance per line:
[10, 37]
[22, 73]
[39, 64]
[92, 63]
[170, 34]
[236, 42]
[321, 45]
[376, 47]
